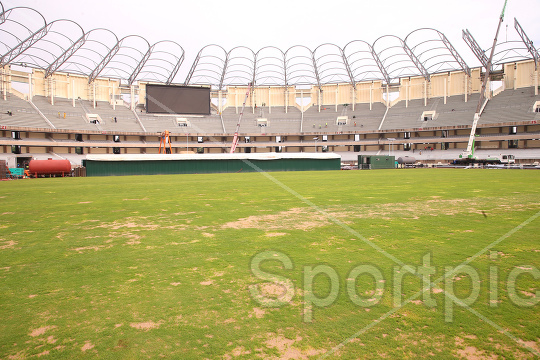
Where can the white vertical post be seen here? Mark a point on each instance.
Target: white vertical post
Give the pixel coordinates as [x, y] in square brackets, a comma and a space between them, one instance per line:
[425, 93]
[252, 102]
[302, 99]
[536, 82]
[113, 98]
[30, 87]
[387, 96]
[370, 96]
[407, 93]
[94, 94]
[4, 83]
[515, 77]
[132, 97]
[51, 86]
[319, 95]
[73, 92]
[445, 91]
[236, 99]
[337, 90]
[353, 97]
[269, 98]
[466, 86]
[220, 101]
[286, 98]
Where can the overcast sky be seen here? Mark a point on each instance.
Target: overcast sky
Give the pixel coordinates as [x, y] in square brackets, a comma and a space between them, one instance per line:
[284, 23]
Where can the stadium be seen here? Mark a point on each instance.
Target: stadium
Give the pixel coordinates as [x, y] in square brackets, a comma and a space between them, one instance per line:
[92, 93]
[232, 242]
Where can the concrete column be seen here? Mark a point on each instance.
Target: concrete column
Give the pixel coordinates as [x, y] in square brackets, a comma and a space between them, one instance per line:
[30, 87]
[269, 97]
[286, 98]
[4, 84]
[445, 85]
[407, 94]
[536, 82]
[387, 96]
[236, 99]
[132, 95]
[515, 77]
[466, 87]
[219, 102]
[94, 95]
[113, 98]
[302, 99]
[353, 97]
[51, 86]
[370, 96]
[251, 99]
[319, 98]
[425, 93]
[73, 92]
[337, 91]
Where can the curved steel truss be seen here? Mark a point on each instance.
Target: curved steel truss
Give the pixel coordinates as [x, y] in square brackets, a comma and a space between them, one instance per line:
[27, 39]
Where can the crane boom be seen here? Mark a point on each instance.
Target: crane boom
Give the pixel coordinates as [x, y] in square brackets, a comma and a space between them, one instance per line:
[482, 100]
[235, 138]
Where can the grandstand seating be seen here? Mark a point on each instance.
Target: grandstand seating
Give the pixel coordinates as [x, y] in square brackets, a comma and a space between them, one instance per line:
[508, 106]
[511, 105]
[24, 115]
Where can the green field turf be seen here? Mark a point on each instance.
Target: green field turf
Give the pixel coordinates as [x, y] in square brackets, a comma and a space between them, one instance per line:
[161, 266]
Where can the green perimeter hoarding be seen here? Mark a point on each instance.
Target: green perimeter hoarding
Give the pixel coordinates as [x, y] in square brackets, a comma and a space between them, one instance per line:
[368, 162]
[114, 165]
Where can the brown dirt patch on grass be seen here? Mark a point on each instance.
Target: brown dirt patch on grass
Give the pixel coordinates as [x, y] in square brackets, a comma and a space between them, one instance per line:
[287, 350]
[148, 325]
[259, 313]
[87, 346]
[40, 331]
[297, 218]
[80, 250]
[273, 234]
[472, 353]
[7, 244]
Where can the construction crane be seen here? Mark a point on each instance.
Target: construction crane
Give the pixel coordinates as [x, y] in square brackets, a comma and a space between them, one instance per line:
[164, 141]
[482, 101]
[235, 138]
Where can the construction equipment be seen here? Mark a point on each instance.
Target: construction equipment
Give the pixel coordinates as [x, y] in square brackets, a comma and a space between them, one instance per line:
[165, 143]
[235, 138]
[482, 101]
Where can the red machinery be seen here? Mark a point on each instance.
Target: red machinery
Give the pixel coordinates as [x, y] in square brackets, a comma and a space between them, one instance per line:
[49, 167]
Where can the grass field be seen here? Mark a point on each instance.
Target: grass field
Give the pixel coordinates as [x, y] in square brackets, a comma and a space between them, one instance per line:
[162, 266]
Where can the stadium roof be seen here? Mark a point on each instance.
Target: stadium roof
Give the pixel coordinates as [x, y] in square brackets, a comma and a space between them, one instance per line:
[28, 39]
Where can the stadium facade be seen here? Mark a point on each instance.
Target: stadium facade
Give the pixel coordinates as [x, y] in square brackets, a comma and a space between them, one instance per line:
[66, 93]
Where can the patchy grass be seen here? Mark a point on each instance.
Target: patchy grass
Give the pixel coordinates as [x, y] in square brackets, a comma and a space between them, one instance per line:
[159, 266]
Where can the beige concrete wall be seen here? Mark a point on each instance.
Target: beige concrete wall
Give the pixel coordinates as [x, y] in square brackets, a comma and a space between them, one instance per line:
[32, 135]
[38, 150]
[488, 131]
[68, 85]
[453, 83]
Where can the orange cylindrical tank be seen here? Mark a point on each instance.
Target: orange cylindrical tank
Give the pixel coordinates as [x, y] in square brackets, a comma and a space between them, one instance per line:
[49, 167]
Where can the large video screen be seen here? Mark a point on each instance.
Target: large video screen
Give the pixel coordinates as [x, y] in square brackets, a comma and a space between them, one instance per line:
[170, 99]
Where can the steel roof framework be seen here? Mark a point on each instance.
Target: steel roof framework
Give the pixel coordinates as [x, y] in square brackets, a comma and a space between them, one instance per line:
[63, 46]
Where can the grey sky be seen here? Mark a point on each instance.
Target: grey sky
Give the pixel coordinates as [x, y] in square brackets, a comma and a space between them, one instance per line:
[284, 23]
